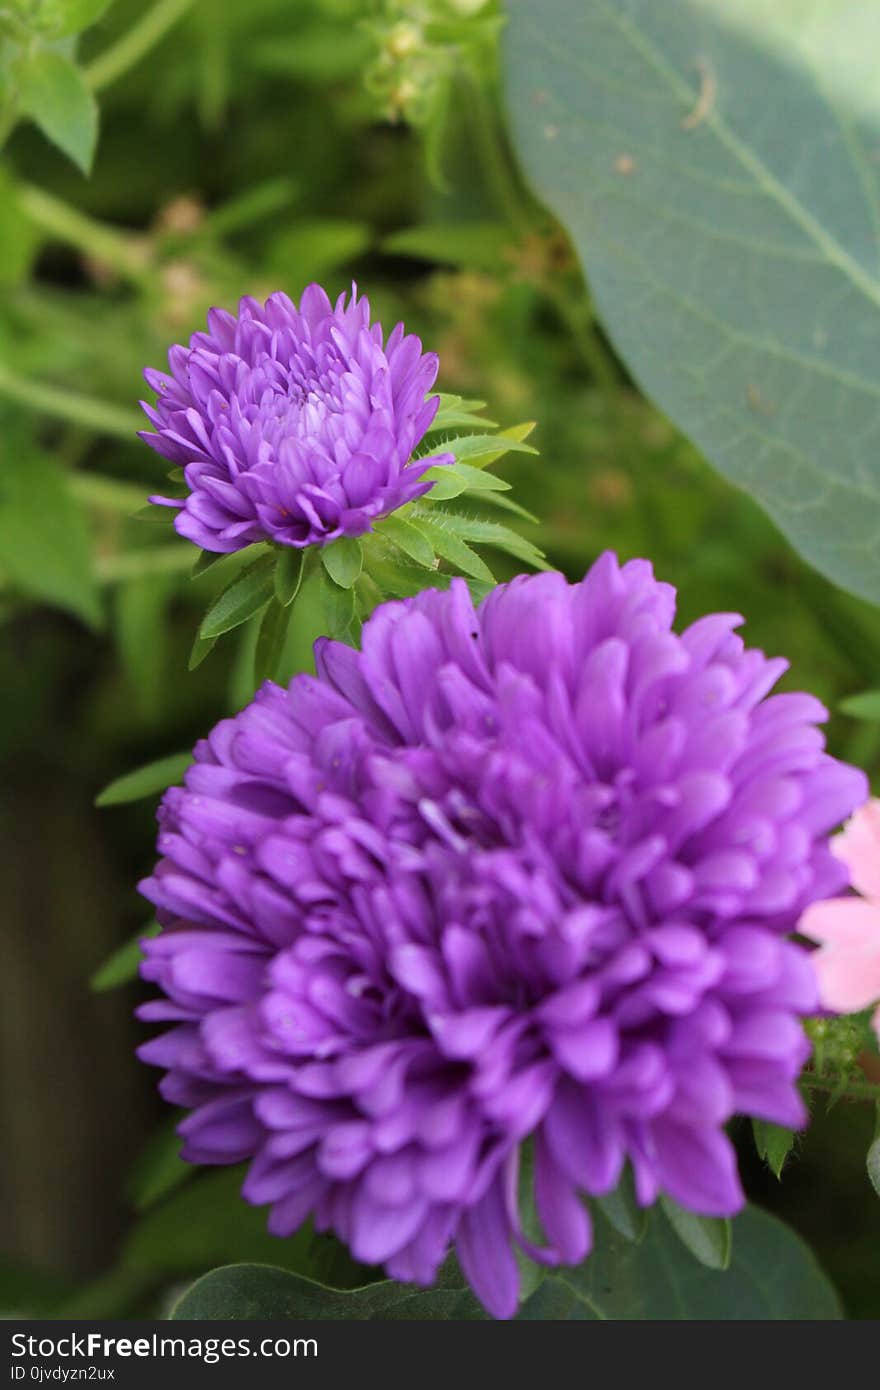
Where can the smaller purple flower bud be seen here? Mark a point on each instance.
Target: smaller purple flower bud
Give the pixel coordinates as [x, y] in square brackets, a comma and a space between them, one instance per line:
[293, 425]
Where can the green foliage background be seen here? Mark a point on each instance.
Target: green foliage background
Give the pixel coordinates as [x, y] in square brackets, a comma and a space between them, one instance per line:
[255, 147]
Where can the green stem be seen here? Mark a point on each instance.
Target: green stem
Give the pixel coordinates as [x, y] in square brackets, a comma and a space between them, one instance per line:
[20, 35]
[107, 494]
[122, 253]
[493, 157]
[854, 1090]
[64, 405]
[128, 51]
[134, 564]
[576, 314]
[130, 565]
[110, 1296]
[846, 624]
[8, 119]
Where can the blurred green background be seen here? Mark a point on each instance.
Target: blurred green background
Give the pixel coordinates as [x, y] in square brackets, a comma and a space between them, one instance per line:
[253, 147]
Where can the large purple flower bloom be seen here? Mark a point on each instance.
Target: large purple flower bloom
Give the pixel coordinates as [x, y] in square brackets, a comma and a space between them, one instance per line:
[524, 870]
[293, 425]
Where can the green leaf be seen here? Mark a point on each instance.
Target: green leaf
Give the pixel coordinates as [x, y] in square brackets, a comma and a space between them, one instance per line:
[623, 1211]
[441, 533]
[240, 687]
[455, 413]
[159, 1169]
[29, 1292]
[205, 560]
[408, 538]
[158, 516]
[201, 648]
[53, 92]
[270, 642]
[394, 575]
[480, 450]
[244, 597]
[254, 205]
[469, 244]
[45, 547]
[343, 561]
[19, 237]
[121, 967]
[872, 1162]
[772, 1276]
[339, 609]
[142, 630]
[476, 479]
[491, 533]
[716, 167]
[708, 1238]
[445, 482]
[311, 247]
[289, 569]
[458, 410]
[26, 1292]
[317, 52]
[145, 781]
[498, 499]
[264, 1291]
[774, 1144]
[206, 1223]
[63, 17]
[863, 706]
[451, 479]
[531, 1273]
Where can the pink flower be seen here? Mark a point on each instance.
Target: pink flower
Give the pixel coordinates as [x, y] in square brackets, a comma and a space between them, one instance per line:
[848, 964]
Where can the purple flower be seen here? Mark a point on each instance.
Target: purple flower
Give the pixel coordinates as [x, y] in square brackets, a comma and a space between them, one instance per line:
[293, 425]
[519, 871]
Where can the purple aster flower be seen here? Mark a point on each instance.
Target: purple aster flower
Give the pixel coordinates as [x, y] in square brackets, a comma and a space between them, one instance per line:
[293, 425]
[520, 871]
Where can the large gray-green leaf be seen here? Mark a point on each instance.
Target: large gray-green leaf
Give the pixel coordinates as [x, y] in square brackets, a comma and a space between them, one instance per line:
[717, 167]
[263, 1291]
[772, 1275]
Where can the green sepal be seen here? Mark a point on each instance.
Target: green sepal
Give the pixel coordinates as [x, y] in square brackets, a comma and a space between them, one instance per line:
[290, 564]
[339, 609]
[145, 781]
[774, 1143]
[406, 535]
[244, 597]
[270, 641]
[121, 966]
[343, 560]
[709, 1238]
[204, 561]
[623, 1211]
